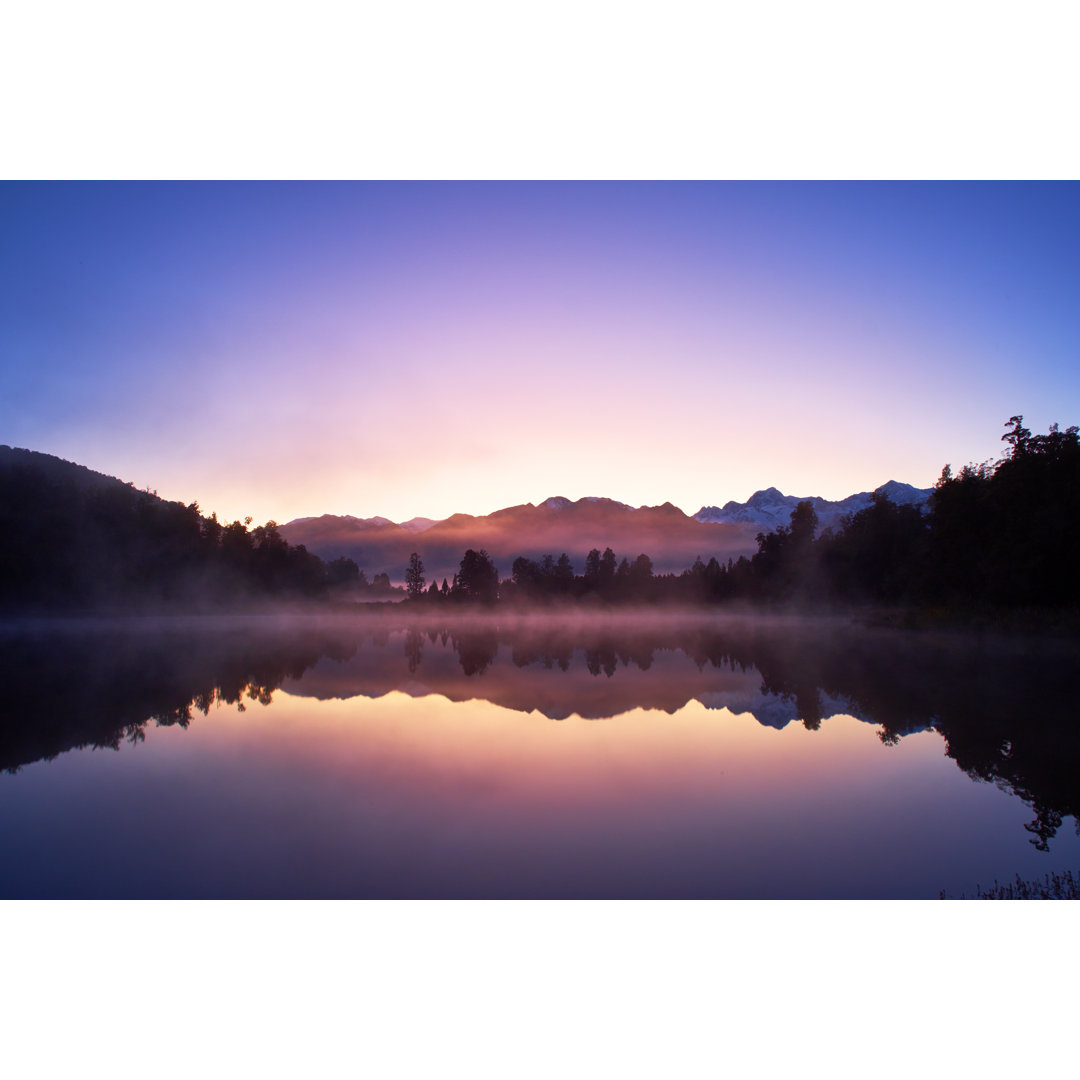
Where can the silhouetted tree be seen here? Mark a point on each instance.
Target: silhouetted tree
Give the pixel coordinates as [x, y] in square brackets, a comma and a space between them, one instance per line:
[1005, 533]
[414, 577]
[641, 573]
[606, 574]
[879, 554]
[804, 522]
[591, 577]
[563, 577]
[344, 571]
[1018, 437]
[525, 574]
[477, 579]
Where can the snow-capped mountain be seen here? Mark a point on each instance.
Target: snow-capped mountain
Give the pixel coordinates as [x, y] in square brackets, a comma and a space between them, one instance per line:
[771, 507]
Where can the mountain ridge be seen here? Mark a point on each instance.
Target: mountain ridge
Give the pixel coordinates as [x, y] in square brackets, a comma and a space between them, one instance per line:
[757, 508]
[669, 536]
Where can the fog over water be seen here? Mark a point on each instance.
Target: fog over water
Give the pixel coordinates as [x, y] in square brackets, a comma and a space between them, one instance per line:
[530, 755]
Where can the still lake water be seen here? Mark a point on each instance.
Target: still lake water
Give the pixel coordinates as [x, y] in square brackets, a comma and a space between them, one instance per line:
[663, 757]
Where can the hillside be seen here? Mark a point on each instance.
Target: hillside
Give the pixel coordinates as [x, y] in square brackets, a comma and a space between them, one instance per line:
[72, 539]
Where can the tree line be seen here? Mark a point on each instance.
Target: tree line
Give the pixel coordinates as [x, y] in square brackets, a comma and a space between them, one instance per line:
[605, 578]
[1000, 534]
[73, 539]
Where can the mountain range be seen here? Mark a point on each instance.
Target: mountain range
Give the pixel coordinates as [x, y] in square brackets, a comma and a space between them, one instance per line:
[44, 500]
[771, 508]
[669, 537]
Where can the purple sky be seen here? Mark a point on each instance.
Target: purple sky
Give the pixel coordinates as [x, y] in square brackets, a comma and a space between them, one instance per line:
[284, 350]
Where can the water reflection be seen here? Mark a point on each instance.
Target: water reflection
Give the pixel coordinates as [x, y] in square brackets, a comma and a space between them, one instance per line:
[1006, 710]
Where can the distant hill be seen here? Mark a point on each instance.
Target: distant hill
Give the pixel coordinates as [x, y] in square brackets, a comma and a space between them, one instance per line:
[770, 508]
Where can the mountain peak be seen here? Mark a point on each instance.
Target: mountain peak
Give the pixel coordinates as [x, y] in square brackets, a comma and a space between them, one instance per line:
[767, 495]
[667, 508]
[559, 502]
[891, 486]
[419, 524]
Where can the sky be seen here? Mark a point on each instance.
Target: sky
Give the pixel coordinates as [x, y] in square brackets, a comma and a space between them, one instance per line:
[282, 350]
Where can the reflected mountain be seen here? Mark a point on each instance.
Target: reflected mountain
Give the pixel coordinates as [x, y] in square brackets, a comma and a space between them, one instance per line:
[1006, 708]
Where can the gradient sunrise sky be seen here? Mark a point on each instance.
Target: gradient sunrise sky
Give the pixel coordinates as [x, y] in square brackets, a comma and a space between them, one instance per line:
[401, 349]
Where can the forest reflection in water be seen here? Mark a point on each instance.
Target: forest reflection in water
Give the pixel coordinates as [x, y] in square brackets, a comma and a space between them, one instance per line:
[1004, 711]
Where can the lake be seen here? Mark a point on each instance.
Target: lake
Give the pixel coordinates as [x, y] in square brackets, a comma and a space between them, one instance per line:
[670, 757]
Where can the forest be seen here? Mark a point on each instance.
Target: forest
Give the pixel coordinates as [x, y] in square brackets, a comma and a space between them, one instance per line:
[74, 540]
[998, 535]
